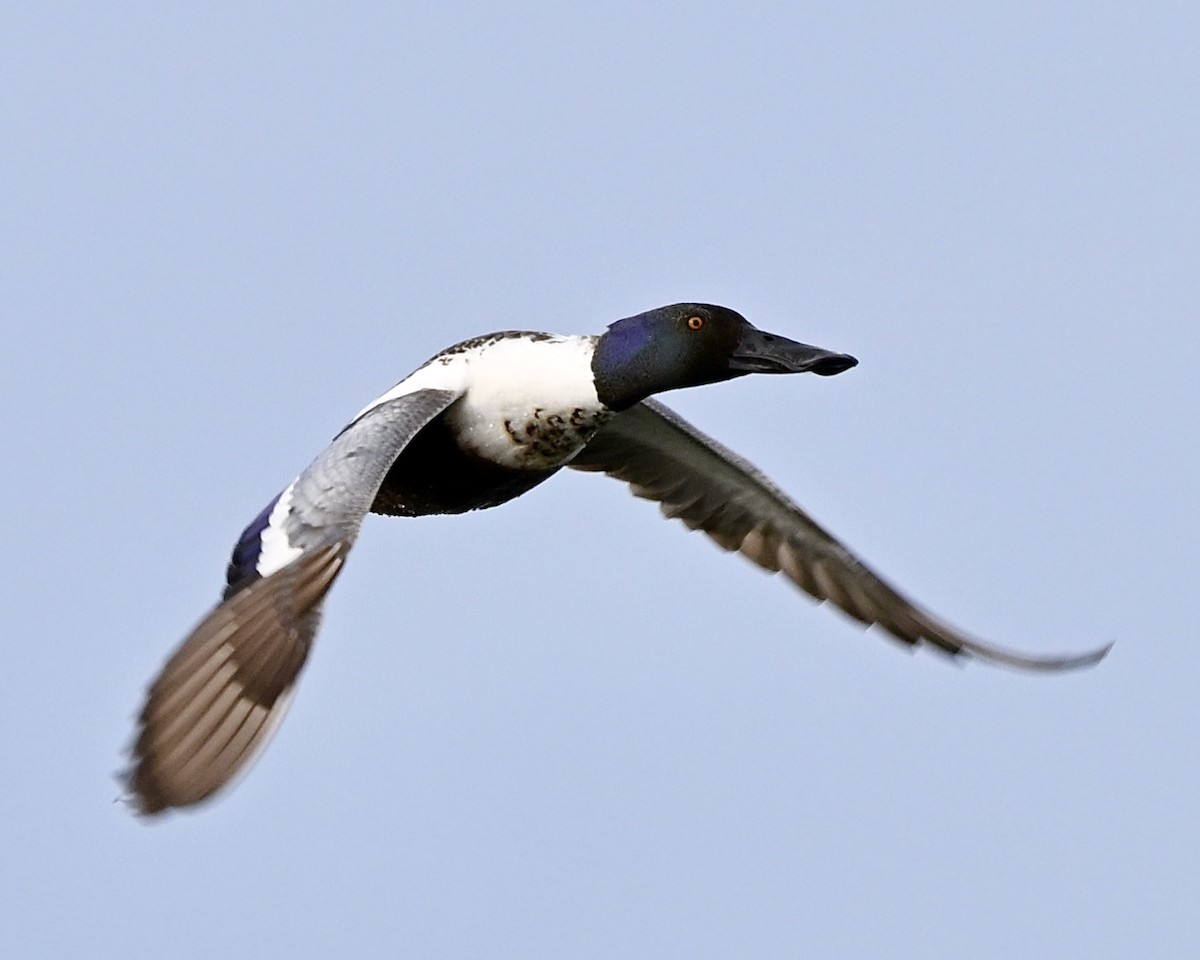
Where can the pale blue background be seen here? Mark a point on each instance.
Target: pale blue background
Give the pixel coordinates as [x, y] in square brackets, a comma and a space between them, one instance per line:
[566, 728]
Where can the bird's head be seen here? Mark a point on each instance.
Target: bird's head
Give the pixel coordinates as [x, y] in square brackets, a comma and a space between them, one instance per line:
[689, 344]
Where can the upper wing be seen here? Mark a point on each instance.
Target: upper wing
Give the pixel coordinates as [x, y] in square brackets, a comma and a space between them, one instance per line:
[223, 692]
[694, 478]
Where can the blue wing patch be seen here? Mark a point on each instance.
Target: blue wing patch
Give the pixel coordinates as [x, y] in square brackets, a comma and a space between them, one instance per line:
[243, 564]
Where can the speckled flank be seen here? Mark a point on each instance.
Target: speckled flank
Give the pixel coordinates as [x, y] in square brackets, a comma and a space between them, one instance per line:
[532, 403]
[547, 439]
[529, 398]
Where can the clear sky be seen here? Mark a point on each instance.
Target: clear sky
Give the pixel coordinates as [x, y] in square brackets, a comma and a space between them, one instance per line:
[567, 728]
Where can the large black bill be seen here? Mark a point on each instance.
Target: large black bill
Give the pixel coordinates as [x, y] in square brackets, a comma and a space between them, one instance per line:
[759, 352]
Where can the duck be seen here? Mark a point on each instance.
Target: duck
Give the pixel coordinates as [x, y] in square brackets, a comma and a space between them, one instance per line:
[482, 422]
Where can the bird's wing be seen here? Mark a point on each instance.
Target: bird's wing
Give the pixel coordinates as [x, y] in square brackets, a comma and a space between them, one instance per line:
[223, 692]
[664, 458]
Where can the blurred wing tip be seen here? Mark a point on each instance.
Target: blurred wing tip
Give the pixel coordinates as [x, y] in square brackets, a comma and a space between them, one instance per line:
[1040, 664]
[134, 797]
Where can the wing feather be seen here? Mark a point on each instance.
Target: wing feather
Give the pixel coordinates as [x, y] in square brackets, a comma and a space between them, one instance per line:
[695, 479]
[219, 697]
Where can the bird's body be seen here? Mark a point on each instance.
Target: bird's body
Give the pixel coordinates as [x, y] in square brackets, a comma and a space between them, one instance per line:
[528, 405]
[480, 423]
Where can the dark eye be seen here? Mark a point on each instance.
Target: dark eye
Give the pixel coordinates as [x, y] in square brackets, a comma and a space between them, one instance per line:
[695, 323]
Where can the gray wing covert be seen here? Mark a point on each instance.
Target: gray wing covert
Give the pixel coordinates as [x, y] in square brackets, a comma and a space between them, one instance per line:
[215, 703]
[695, 479]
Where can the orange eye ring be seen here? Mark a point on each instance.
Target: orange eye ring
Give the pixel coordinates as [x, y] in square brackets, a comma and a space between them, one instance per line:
[695, 323]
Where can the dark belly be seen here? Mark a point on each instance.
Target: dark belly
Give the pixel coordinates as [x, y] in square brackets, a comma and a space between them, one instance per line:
[433, 475]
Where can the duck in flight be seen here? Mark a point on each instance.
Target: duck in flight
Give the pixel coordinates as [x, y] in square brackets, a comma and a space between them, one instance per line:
[480, 423]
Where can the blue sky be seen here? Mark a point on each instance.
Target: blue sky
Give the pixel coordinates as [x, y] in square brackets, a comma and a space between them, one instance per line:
[566, 728]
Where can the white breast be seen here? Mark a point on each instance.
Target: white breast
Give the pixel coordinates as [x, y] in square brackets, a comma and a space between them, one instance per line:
[529, 402]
